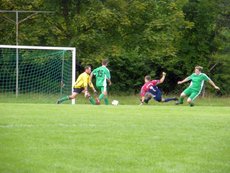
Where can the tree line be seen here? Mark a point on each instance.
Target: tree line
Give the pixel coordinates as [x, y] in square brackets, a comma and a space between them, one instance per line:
[139, 37]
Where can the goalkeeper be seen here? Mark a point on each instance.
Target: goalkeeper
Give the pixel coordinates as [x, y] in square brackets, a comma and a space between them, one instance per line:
[81, 85]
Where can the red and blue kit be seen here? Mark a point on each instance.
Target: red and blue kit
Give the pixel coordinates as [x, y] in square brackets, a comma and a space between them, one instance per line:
[147, 86]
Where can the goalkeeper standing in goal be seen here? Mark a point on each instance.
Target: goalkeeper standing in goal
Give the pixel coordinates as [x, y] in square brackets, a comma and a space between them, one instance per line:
[195, 88]
[81, 85]
[102, 75]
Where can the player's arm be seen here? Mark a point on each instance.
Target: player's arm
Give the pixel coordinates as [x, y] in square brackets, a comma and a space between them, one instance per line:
[213, 84]
[92, 86]
[206, 78]
[91, 83]
[142, 99]
[85, 84]
[91, 77]
[142, 94]
[162, 78]
[183, 81]
[108, 77]
[109, 81]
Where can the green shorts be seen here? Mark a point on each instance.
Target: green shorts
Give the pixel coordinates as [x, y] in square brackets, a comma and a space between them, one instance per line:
[102, 88]
[192, 94]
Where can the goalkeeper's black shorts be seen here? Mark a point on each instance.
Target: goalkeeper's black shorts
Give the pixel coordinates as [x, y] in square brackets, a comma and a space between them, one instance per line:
[78, 90]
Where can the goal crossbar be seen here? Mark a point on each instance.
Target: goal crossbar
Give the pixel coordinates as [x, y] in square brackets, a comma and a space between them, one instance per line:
[38, 47]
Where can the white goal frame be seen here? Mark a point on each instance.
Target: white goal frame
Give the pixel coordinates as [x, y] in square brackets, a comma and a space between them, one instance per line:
[72, 49]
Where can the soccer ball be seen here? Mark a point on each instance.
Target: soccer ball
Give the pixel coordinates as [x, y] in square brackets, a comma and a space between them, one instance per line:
[115, 102]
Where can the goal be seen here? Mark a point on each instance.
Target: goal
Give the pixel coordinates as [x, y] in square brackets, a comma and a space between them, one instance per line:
[36, 74]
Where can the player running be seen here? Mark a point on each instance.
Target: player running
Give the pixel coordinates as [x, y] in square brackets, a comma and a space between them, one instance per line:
[102, 75]
[150, 90]
[81, 85]
[196, 85]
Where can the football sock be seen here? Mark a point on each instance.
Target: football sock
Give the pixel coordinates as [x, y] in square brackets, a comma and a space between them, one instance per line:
[181, 100]
[92, 101]
[101, 96]
[169, 99]
[63, 99]
[106, 101]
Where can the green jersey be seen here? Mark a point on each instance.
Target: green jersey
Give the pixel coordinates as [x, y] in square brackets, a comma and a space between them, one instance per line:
[197, 81]
[102, 74]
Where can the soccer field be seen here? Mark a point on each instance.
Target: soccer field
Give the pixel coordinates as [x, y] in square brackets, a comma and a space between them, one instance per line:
[45, 138]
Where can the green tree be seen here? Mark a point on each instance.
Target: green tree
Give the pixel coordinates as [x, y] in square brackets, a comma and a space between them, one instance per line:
[139, 37]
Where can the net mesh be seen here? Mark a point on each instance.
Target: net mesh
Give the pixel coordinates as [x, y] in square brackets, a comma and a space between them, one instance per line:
[43, 75]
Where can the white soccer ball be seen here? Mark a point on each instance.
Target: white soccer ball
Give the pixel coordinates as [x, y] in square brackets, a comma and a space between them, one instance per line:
[115, 102]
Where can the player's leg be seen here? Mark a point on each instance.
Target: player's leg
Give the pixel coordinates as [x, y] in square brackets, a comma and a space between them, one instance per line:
[105, 92]
[73, 96]
[91, 99]
[101, 89]
[189, 101]
[192, 97]
[148, 96]
[185, 93]
[169, 99]
[96, 98]
[182, 96]
[158, 97]
[76, 91]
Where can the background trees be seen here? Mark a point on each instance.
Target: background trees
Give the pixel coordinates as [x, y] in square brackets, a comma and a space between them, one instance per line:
[138, 36]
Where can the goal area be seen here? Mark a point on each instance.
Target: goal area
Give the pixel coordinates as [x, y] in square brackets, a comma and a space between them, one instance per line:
[36, 74]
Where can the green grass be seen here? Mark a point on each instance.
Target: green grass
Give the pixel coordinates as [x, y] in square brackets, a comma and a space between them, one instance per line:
[123, 99]
[46, 138]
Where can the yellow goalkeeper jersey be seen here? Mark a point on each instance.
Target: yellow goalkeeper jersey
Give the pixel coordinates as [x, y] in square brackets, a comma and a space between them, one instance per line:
[83, 81]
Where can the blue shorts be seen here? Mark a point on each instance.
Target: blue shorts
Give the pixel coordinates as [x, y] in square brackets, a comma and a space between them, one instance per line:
[156, 93]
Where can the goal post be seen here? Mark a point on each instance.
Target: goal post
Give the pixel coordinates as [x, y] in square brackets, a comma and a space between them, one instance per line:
[34, 64]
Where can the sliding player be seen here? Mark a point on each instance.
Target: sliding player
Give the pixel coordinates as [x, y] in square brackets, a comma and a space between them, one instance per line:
[195, 88]
[102, 75]
[81, 85]
[150, 90]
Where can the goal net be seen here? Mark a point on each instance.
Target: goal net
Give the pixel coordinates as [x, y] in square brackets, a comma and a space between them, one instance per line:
[34, 74]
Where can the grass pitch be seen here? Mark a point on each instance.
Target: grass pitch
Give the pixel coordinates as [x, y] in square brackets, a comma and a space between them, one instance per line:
[45, 138]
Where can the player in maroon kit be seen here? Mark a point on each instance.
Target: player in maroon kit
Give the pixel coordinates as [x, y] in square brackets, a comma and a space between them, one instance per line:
[150, 90]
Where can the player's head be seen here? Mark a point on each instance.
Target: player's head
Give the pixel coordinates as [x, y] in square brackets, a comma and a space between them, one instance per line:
[105, 62]
[198, 69]
[88, 69]
[147, 78]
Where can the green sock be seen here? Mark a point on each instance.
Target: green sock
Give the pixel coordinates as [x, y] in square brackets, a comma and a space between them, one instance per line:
[101, 96]
[181, 100]
[106, 101]
[63, 99]
[92, 101]
[191, 104]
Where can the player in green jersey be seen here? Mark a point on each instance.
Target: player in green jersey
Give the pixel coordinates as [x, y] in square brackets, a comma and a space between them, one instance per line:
[196, 85]
[102, 75]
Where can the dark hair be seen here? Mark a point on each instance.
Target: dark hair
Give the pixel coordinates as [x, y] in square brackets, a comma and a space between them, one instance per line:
[87, 67]
[105, 61]
[148, 77]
